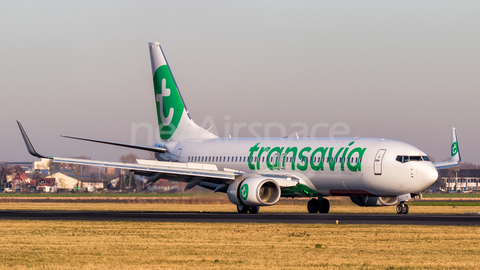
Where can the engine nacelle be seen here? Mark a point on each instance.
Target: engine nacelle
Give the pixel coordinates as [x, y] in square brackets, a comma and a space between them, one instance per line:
[254, 191]
[373, 201]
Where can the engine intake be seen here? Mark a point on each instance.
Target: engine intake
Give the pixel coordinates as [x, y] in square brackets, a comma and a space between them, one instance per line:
[254, 191]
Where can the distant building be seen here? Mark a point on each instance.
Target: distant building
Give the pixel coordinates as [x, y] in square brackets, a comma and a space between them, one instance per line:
[65, 182]
[43, 185]
[167, 186]
[460, 179]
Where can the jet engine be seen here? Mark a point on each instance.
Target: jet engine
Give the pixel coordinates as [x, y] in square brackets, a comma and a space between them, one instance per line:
[254, 191]
[373, 201]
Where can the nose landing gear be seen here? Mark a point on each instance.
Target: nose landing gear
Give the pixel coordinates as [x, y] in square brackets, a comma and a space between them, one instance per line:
[402, 208]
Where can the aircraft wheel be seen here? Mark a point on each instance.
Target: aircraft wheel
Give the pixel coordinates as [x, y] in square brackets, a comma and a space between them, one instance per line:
[402, 208]
[313, 206]
[254, 209]
[242, 209]
[324, 206]
[399, 208]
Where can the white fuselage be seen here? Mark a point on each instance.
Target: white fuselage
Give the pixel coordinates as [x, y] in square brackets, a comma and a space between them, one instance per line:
[331, 166]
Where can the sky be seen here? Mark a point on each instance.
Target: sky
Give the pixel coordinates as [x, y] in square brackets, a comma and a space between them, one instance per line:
[401, 70]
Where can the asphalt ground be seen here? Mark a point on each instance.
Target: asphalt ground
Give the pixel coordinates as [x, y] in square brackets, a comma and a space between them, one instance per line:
[211, 217]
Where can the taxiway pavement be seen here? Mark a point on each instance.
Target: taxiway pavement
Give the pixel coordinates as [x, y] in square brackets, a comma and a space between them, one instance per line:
[410, 219]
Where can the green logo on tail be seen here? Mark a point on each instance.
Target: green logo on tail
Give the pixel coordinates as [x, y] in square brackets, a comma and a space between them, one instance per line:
[454, 148]
[169, 103]
[244, 192]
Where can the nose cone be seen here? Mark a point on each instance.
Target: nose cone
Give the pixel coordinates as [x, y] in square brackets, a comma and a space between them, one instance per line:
[427, 174]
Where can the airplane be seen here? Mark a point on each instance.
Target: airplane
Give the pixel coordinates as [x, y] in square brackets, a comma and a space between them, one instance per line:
[257, 172]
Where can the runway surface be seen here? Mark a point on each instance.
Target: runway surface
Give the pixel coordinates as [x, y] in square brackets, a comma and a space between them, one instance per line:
[411, 219]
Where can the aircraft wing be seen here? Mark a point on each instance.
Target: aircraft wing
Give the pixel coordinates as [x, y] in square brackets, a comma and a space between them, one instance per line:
[173, 168]
[454, 152]
[192, 173]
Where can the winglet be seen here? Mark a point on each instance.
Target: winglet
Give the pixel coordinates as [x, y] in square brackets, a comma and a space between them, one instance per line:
[454, 153]
[29, 145]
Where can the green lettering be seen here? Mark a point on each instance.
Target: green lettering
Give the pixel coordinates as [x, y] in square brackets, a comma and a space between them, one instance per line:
[302, 158]
[263, 149]
[253, 149]
[318, 166]
[331, 161]
[342, 162]
[358, 165]
[294, 156]
[277, 150]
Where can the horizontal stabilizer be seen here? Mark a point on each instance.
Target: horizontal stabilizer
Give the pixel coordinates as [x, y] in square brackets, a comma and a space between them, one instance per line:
[128, 145]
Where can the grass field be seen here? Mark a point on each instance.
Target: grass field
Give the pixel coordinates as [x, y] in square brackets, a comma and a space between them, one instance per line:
[452, 195]
[150, 245]
[288, 208]
[155, 245]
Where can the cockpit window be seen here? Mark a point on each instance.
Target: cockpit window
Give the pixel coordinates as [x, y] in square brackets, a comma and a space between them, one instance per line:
[416, 158]
[404, 159]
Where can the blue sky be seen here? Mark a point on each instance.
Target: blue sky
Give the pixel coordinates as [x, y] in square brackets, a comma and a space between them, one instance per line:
[402, 70]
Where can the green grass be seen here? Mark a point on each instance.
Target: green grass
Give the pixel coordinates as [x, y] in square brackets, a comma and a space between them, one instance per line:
[178, 245]
[220, 206]
[420, 203]
[451, 195]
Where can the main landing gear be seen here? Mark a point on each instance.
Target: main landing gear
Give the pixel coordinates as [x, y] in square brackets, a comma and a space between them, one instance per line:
[242, 209]
[321, 205]
[402, 208]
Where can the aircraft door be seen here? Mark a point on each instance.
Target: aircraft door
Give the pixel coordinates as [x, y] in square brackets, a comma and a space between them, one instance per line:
[282, 160]
[276, 161]
[378, 161]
